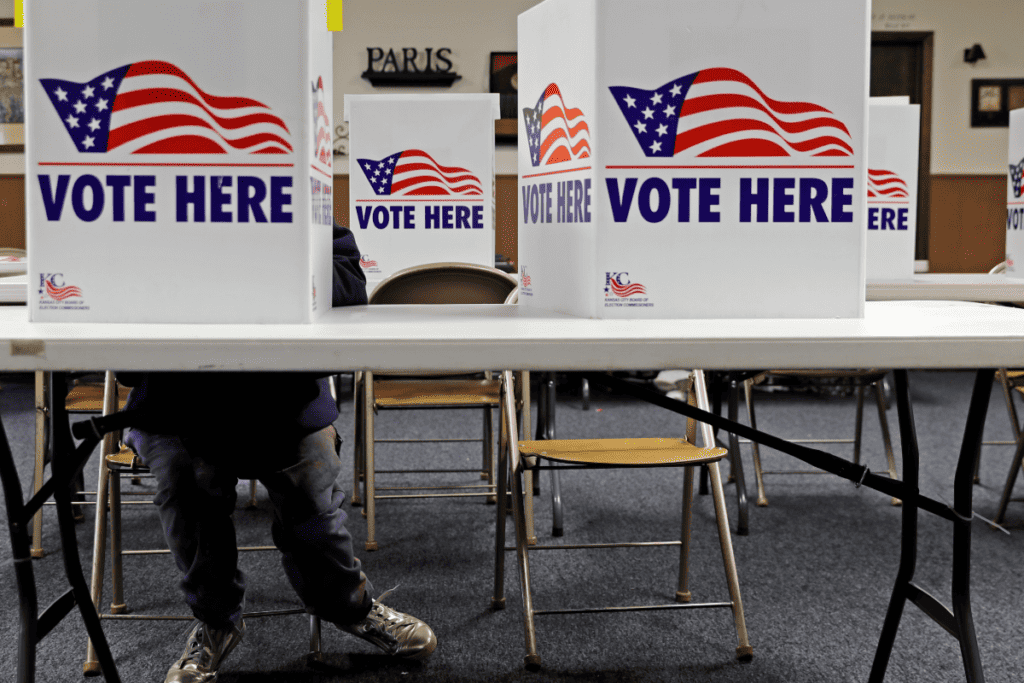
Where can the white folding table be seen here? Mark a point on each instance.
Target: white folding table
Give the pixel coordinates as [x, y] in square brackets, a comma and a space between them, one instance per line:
[900, 335]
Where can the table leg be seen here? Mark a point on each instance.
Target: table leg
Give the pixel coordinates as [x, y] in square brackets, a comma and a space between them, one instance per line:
[960, 623]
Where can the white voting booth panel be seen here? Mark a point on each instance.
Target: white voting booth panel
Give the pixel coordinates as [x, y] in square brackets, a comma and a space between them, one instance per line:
[1015, 197]
[178, 160]
[693, 158]
[894, 129]
[421, 180]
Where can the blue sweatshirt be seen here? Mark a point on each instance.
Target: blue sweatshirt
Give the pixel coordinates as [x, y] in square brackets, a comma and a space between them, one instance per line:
[295, 402]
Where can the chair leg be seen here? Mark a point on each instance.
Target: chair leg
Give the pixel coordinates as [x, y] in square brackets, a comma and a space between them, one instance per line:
[92, 665]
[358, 455]
[315, 653]
[859, 425]
[42, 444]
[117, 604]
[557, 509]
[498, 595]
[1011, 478]
[755, 448]
[742, 525]
[252, 494]
[683, 591]
[883, 422]
[744, 651]
[532, 659]
[369, 474]
[531, 481]
[489, 463]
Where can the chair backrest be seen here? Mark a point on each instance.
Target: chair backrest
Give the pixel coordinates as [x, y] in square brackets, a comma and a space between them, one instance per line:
[446, 283]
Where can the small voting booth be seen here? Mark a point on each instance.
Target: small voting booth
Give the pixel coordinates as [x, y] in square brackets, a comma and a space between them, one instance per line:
[421, 180]
[178, 160]
[1015, 197]
[693, 158]
[894, 129]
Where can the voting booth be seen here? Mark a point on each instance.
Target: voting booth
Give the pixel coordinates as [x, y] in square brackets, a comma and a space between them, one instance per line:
[178, 160]
[1015, 197]
[693, 158]
[421, 180]
[894, 130]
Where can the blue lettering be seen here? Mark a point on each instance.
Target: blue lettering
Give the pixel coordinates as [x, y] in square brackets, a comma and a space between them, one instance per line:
[561, 204]
[707, 200]
[279, 201]
[408, 217]
[888, 215]
[446, 215]
[462, 217]
[901, 220]
[117, 183]
[380, 217]
[783, 200]
[534, 203]
[197, 198]
[683, 187]
[873, 218]
[586, 200]
[478, 217]
[621, 202]
[813, 193]
[434, 216]
[218, 198]
[363, 214]
[78, 197]
[144, 198]
[251, 193]
[647, 209]
[53, 199]
[842, 197]
[748, 197]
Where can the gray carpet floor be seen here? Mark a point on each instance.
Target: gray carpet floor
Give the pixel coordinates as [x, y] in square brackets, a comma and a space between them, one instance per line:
[816, 570]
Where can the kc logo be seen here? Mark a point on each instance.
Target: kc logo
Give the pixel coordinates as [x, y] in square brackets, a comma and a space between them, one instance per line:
[618, 284]
[52, 285]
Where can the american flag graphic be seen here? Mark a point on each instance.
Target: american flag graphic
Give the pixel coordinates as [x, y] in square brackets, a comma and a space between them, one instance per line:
[525, 280]
[61, 293]
[886, 185]
[621, 290]
[1015, 178]
[321, 125]
[414, 172]
[555, 132]
[153, 107]
[365, 262]
[721, 112]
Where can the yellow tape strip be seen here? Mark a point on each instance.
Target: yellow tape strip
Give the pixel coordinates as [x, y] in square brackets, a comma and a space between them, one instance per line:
[334, 22]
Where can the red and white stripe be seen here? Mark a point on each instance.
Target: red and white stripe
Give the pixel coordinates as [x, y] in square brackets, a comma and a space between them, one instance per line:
[631, 289]
[726, 114]
[564, 134]
[884, 184]
[416, 173]
[61, 293]
[159, 109]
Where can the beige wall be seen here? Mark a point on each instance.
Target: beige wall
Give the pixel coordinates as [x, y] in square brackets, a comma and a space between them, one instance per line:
[958, 24]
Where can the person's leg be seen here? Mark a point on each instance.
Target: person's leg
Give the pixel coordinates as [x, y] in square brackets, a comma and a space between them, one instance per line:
[196, 500]
[309, 529]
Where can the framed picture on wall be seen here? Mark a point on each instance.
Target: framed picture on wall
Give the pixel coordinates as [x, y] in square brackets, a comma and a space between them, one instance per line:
[12, 100]
[992, 99]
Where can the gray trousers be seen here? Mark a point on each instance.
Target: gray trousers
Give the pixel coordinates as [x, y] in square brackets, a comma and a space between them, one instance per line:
[196, 476]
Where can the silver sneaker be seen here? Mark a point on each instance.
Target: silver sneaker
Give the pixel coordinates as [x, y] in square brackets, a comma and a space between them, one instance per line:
[205, 650]
[398, 634]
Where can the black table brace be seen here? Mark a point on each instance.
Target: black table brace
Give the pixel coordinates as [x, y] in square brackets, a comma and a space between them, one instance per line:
[958, 621]
[67, 462]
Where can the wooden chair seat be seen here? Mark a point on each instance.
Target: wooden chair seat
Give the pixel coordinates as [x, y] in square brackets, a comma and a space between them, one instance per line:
[644, 452]
[435, 392]
[126, 461]
[88, 398]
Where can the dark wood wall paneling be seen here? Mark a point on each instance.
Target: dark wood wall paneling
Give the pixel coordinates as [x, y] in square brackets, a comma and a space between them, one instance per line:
[968, 219]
